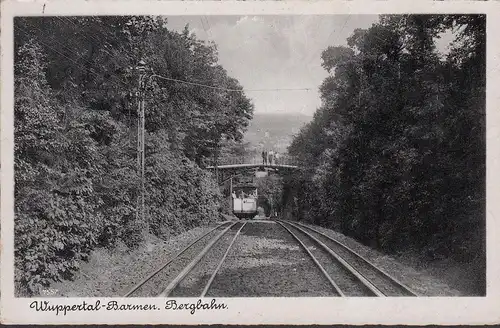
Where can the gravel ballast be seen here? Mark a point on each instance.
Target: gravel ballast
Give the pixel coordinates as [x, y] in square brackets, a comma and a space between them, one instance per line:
[267, 262]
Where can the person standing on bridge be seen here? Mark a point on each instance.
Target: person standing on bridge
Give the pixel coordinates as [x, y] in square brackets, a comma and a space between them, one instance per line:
[264, 155]
[277, 158]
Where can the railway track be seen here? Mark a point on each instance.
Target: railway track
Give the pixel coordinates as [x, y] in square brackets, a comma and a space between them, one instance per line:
[348, 273]
[191, 272]
[190, 258]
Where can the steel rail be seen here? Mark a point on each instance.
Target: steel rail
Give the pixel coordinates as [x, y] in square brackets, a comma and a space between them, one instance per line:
[349, 267]
[212, 277]
[145, 280]
[321, 268]
[347, 248]
[166, 292]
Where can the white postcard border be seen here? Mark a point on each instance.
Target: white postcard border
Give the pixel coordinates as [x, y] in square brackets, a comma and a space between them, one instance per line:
[422, 310]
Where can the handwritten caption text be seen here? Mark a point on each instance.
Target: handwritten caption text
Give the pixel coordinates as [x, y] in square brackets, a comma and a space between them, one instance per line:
[170, 305]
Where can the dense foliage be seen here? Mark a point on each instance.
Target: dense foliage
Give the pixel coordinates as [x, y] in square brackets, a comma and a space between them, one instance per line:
[270, 193]
[395, 156]
[76, 181]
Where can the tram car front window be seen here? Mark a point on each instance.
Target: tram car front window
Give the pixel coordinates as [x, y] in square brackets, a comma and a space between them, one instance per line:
[245, 201]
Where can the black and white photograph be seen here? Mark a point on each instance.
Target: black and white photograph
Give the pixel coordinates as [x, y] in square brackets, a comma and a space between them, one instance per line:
[227, 156]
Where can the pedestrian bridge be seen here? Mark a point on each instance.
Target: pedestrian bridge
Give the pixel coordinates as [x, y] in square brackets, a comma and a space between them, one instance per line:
[284, 162]
[252, 165]
[226, 169]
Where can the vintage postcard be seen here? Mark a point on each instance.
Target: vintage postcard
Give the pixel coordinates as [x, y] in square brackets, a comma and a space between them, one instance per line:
[250, 162]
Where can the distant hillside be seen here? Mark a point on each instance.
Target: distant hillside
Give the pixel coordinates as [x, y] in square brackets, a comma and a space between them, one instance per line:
[274, 131]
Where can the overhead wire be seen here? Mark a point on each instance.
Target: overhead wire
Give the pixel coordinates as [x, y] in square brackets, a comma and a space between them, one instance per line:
[64, 47]
[112, 55]
[58, 52]
[227, 89]
[85, 69]
[334, 30]
[209, 27]
[91, 71]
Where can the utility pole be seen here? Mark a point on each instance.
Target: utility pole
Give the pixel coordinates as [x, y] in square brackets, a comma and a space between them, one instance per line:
[141, 215]
[271, 211]
[360, 85]
[216, 166]
[231, 192]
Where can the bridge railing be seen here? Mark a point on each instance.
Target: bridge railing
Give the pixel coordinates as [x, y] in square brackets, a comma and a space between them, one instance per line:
[281, 160]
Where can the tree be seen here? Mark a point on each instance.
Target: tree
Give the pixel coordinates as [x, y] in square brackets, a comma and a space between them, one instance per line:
[390, 151]
[75, 136]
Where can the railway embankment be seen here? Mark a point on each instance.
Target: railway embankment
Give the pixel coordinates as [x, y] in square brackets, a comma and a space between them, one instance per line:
[264, 261]
[111, 272]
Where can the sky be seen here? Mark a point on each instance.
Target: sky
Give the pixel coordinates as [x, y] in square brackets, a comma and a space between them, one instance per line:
[275, 52]
[279, 52]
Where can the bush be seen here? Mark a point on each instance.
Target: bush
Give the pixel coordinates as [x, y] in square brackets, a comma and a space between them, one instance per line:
[180, 195]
